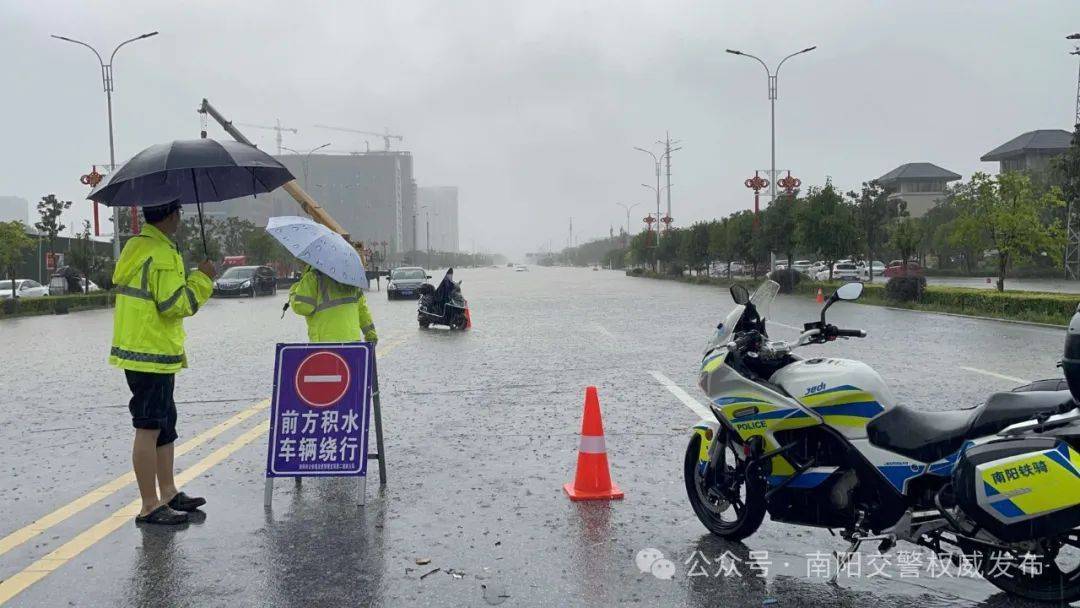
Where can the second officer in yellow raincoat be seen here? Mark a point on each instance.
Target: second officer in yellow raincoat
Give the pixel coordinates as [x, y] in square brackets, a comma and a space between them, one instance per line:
[335, 312]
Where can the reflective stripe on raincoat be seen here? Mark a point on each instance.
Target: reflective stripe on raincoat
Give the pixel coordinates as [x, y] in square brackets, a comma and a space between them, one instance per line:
[335, 312]
[153, 295]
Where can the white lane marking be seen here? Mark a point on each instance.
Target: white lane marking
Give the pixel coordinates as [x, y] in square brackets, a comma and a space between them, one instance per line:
[695, 405]
[600, 328]
[323, 379]
[995, 375]
[771, 322]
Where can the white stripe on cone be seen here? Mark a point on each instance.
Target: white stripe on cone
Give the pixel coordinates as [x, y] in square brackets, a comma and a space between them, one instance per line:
[592, 445]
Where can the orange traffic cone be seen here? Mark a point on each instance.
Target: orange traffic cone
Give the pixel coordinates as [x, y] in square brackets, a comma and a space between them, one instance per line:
[592, 481]
[820, 296]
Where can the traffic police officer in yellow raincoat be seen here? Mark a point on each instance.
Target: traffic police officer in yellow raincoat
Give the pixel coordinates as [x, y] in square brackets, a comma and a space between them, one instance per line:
[153, 295]
[335, 312]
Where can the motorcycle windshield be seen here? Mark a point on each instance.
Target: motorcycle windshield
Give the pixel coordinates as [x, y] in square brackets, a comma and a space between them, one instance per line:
[762, 300]
[764, 296]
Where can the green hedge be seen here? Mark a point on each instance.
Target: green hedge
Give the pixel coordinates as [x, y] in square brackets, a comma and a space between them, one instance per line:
[1052, 308]
[57, 304]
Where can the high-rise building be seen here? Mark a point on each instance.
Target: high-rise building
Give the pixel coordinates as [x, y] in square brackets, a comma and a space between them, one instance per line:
[14, 208]
[442, 202]
[372, 195]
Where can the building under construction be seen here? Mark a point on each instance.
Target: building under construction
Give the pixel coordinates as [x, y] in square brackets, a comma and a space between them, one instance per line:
[371, 194]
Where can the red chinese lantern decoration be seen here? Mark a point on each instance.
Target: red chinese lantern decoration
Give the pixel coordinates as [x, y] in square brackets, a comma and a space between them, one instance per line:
[757, 184]
[789, 184]
[92, 179]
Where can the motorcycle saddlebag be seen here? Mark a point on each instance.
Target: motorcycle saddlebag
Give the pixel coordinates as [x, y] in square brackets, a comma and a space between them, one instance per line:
[1020, 488]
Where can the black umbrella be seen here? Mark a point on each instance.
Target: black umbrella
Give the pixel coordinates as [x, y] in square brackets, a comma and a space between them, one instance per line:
[193, 172]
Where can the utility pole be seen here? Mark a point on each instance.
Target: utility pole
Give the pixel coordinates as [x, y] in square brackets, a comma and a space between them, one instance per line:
[1072, 214]
[667, 158]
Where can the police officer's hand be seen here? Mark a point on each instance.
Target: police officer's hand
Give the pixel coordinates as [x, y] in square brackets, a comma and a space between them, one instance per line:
[207, 268]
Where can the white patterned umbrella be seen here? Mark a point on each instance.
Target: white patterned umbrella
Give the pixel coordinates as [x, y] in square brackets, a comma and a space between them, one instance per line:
[327, 251]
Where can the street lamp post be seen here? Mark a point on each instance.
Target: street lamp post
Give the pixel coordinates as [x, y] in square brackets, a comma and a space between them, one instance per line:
[107, 81]
[656, 162]
[307, 159]
[772, 75]
[628, 209]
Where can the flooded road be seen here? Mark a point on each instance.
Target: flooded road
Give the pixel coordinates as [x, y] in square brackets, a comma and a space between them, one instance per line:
[481, 433]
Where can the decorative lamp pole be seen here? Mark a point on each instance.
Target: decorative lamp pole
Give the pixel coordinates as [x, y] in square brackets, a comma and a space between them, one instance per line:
[757, 184]
[92, 179]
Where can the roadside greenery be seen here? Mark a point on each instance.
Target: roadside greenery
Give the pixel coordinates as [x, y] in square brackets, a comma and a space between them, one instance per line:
[13, 240]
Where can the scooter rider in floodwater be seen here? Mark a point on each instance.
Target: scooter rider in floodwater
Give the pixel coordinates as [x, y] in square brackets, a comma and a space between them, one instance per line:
[443, 291]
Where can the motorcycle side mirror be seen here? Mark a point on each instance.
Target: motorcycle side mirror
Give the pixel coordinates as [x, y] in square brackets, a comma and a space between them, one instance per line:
[849, 291]
[740, 294]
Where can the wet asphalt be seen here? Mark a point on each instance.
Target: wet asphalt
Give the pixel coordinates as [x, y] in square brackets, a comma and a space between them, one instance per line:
[481, 433]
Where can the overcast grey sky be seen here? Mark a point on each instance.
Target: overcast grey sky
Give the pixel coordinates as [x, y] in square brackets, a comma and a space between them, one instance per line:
[532, 108]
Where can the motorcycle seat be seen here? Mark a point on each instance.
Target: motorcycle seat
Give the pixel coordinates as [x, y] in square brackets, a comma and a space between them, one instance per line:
[931, 436]
[924, 436]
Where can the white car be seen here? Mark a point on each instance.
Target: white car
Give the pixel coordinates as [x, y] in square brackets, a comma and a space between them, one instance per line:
[801, 266]
[24, 288]
[879, 270]
[841, 272]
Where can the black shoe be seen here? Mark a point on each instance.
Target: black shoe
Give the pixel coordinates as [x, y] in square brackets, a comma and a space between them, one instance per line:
[163, 516]
[183, 502]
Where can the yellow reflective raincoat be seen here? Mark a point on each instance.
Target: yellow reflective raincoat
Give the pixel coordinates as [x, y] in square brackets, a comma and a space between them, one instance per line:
[334, 312]
[153, 295]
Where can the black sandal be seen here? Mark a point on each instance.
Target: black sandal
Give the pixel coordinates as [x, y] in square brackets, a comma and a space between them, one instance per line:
[163, 516]
[183, 502]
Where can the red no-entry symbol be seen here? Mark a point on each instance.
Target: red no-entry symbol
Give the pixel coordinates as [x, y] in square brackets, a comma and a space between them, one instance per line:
[322, 379]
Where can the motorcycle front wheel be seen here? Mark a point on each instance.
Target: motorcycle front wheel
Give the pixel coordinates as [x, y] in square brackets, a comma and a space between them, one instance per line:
[734, 506]
[1051, 575]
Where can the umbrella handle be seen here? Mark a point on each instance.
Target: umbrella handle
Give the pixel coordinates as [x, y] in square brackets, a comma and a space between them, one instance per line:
[202, 231]
[198, 205]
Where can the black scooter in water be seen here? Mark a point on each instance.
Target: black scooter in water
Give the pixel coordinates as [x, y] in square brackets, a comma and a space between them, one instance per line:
[453, 313]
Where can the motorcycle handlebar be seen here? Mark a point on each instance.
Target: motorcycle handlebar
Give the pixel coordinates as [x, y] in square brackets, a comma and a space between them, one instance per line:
[851, 333]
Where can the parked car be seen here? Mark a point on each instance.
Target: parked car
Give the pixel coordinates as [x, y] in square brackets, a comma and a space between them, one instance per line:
[405, 282]
[896, 269]
[815, 268]
[841, 272]
[877, 265]
[801, 266]
[780, 265]
[24, 288]
[246, 281]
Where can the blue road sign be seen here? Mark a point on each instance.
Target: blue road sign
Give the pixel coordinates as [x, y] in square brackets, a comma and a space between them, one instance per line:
[319, 413]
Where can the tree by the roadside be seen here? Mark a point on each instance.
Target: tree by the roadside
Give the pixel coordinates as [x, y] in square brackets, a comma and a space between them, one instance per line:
[905, 238]
[50, 209]
[190, 243]
[668, 251]
[13, 240]
[641, 248]
[720, 245]
[873, 211]
[1011, 212]
[746, 241]
[825, 224]
[233, 233]
[695, 247]
[84, 257]
[778, 226]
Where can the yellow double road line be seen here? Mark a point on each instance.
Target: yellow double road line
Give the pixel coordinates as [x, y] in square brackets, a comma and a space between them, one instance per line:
[71, 549]
[33, 573]
[61, 514]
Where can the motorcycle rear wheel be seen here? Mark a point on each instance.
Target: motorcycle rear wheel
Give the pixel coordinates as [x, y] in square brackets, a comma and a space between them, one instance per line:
[1055, 580]
[738, 496]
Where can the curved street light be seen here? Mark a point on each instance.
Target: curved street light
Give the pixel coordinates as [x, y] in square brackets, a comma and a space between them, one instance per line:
[107, 82]
[772, 76]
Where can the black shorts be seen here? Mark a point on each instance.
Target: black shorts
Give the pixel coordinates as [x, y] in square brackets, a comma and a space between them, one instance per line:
[152, 405]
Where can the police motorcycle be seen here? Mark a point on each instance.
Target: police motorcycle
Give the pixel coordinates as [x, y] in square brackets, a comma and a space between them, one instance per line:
[454, 314]
[822, 442]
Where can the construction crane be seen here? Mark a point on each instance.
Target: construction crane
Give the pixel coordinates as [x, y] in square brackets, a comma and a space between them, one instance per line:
[277, 128]
[307, 203]
[386, 136]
